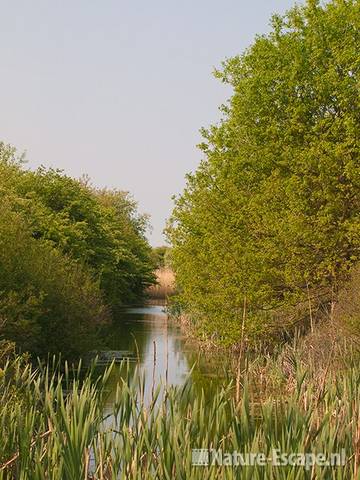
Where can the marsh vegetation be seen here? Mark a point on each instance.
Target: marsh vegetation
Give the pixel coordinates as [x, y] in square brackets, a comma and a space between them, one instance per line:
[263, 274]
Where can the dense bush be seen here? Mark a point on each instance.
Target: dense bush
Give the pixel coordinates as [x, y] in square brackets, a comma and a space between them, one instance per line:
[47, 301]
[69, 254]
[271, 217]
[130, 269]
[100, 228]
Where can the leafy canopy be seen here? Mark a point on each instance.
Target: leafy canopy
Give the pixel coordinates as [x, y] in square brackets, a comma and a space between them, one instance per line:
[69, 254]
[272, 212]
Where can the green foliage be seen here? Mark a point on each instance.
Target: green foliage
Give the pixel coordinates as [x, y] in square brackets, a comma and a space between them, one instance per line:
[66, 250]
[273, 210]
[129, 271]
[347, 312]
[48, 302]
[161, 256]
[54, 426]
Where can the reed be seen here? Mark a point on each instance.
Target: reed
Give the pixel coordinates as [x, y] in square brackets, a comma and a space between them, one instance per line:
[52, 426]
[165, 284]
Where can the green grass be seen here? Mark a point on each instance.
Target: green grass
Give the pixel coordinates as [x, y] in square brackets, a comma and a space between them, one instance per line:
[52, 426]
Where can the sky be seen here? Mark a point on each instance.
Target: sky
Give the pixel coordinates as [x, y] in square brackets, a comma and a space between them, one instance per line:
[118, 89]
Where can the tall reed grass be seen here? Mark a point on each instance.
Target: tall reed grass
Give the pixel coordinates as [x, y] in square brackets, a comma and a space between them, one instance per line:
[52, 426]
[165, 284]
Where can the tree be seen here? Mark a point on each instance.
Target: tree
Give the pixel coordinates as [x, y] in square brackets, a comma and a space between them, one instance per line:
[161, 256]
[272, 211]
[99, 228]
[130, 271]
[48, 303]
[69, 254]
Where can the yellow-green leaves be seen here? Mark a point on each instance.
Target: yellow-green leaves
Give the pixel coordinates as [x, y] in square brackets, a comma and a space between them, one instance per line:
[274, 205]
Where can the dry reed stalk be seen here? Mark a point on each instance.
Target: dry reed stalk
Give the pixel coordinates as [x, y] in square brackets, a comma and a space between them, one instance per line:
[238, 374]
[87, 462]
[357, 447]
[167, 352]
[310, 309]
[153, 376]
[165, 284]
[9, 462]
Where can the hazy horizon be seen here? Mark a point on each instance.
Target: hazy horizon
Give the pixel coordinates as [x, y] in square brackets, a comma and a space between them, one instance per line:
[119, 90]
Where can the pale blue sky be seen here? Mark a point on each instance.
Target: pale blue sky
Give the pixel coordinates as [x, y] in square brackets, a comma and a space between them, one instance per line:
[119, 89]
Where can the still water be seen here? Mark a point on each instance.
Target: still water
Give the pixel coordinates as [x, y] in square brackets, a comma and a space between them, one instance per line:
[145, 336]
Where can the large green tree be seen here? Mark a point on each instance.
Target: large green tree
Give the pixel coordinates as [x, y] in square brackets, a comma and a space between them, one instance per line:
[271, 216]
[101, 229]
[69, 255]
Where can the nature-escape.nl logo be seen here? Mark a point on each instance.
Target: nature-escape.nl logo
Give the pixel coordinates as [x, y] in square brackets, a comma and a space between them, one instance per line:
[203, 457]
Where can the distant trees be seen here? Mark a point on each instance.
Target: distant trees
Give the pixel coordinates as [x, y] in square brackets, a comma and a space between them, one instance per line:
[131, 267]
[69, 255]
[161, 256]
[271, 216]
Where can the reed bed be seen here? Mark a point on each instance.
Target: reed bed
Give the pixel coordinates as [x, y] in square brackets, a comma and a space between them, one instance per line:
[52, 426]
[165, 284]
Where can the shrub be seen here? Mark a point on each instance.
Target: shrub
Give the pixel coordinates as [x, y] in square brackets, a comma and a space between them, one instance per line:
[48, 302]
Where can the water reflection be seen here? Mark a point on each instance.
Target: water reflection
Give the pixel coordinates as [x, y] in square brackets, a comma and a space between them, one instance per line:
[146, 336]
